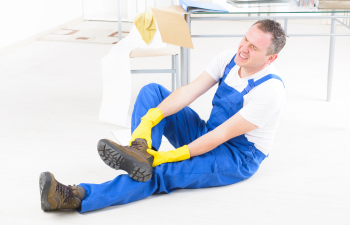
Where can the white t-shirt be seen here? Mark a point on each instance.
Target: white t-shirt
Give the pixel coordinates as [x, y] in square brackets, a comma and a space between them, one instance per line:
[262, 106]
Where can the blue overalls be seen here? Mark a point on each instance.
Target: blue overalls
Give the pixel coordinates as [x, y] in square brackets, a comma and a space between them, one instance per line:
[230, 162]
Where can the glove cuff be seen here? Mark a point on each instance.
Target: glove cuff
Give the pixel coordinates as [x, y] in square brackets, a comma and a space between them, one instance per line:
[184, 152]
[154, 115]
[179, 154]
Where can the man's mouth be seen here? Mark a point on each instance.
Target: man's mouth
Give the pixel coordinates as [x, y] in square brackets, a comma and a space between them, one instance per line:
[242, 56]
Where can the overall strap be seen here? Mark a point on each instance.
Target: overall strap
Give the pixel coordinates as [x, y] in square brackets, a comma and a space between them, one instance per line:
[268, 77]
[252, 84]
[228, 68]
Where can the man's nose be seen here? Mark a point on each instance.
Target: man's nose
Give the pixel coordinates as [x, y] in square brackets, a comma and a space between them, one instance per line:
[245, 48]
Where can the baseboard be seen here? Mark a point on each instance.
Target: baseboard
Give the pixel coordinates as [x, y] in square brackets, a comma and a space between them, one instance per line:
[33, 38]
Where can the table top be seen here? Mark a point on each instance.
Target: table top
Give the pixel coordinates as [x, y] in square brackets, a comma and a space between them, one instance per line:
[277, 8]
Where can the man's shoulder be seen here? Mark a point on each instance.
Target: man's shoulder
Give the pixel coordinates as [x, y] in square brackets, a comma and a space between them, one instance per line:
[270, 70]
[272, 86]
[273, 70]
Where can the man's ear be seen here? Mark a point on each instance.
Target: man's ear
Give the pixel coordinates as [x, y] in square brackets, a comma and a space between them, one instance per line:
[272, 58]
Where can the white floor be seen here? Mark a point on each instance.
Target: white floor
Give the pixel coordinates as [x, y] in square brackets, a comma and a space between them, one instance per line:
[50, 94]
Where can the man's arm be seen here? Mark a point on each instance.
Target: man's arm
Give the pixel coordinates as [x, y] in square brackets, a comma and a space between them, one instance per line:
[231, 128]
[176, 101]
[185, 95]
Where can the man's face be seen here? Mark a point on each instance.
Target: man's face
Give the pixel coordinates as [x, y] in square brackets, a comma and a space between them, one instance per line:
[252, 49]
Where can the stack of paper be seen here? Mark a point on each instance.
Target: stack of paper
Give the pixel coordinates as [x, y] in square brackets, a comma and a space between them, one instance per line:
[257, 1]
[193, 6]
[303, 4]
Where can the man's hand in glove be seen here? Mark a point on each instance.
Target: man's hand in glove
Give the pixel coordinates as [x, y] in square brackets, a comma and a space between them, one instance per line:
[152, 118]
[176, 155]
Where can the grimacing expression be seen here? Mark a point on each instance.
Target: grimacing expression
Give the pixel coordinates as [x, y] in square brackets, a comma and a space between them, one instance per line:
[252, 49]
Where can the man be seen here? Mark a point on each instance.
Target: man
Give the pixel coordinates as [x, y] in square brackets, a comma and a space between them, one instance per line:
[226, 149]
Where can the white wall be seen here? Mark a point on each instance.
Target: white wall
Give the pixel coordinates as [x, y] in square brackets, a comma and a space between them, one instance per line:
[21, 19]
[108, 9]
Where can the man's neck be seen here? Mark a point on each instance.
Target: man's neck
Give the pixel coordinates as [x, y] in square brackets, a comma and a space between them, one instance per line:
[246, 72]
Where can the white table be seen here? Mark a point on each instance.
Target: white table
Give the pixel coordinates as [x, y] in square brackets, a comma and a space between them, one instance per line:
[278, 13]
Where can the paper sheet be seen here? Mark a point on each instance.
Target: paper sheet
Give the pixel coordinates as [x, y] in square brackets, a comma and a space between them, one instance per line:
[117, 78]
[123, 136]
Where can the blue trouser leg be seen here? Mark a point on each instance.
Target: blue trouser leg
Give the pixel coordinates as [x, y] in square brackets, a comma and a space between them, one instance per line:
[180, 129]
[197, 172]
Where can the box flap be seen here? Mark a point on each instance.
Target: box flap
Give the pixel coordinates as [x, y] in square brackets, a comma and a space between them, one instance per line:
[172, 26]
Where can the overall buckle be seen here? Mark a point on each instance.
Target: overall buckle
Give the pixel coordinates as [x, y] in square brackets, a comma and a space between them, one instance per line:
[227, 70]
[250, 86]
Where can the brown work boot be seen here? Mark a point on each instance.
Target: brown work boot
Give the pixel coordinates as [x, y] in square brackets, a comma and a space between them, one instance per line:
[133, 159]
[55, 195]
[78, 192]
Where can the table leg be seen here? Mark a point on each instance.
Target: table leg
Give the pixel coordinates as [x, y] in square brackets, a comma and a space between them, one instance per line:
[185, 58]
[137, 6]
[331, 59]
[188, 58]
[183, 65]
[285, 26]
[120, 30]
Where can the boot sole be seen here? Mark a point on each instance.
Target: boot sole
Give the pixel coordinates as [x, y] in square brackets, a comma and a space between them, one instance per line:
[117, 159]
[44, 185]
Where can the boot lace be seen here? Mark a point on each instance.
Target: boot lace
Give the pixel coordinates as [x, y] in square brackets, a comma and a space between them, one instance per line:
[66, 192]
[136, 144]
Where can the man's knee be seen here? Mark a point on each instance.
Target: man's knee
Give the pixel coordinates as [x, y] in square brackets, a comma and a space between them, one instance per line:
[151, 87]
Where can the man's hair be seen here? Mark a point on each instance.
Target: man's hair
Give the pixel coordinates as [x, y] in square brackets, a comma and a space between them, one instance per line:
[278, 35]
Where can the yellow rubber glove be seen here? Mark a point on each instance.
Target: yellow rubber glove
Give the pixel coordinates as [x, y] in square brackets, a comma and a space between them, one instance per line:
[152, 118]
[146, 25]
[176, 155]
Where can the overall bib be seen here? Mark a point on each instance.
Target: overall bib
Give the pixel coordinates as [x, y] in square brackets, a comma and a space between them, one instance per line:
[231, 162]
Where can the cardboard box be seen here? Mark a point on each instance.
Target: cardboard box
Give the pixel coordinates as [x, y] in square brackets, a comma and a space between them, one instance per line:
[172, 26]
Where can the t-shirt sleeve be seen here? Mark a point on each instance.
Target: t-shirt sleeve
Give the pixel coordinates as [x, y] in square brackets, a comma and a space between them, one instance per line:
[218, 64]
[264, 103]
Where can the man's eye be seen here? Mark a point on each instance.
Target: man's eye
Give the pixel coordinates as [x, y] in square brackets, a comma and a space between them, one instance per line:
[254, 47]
